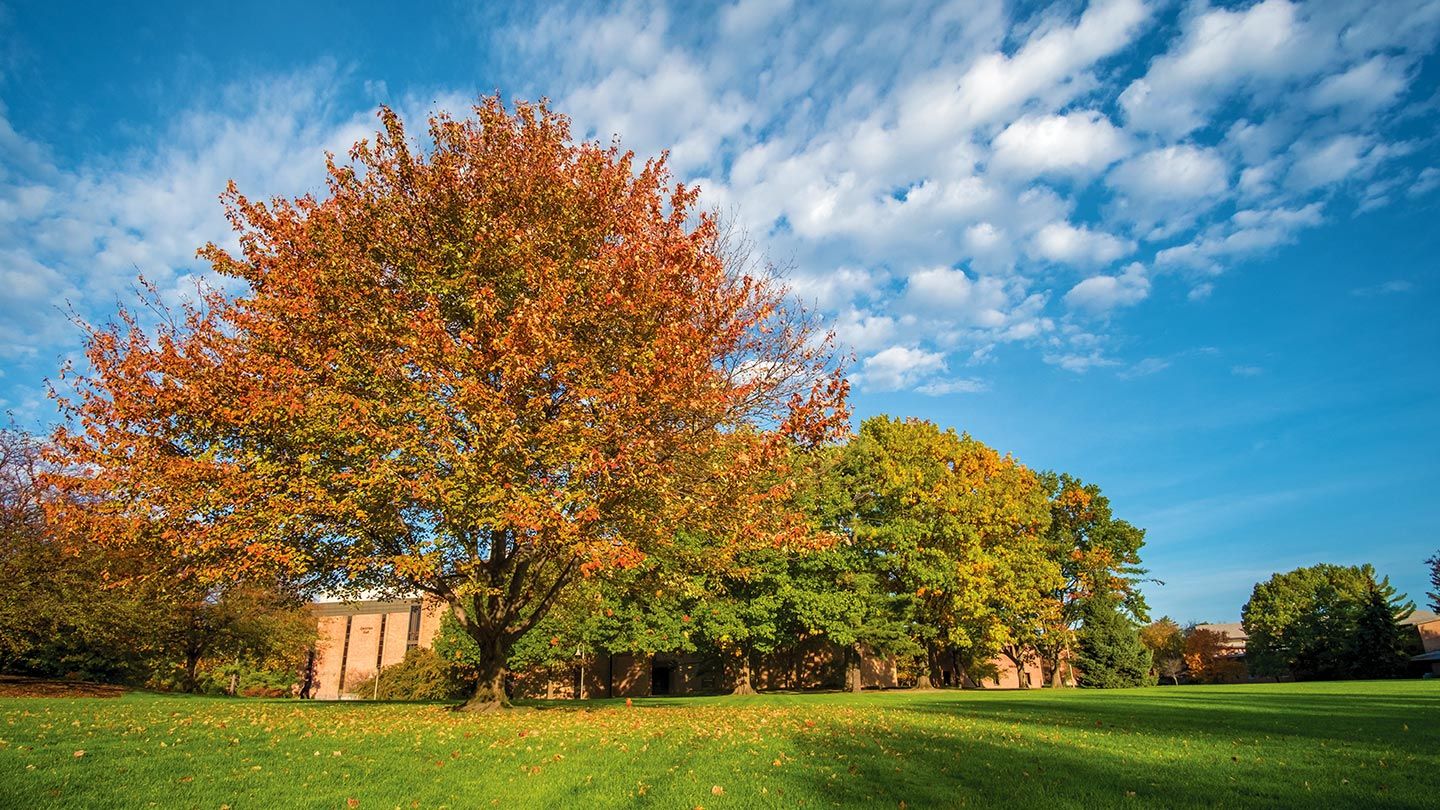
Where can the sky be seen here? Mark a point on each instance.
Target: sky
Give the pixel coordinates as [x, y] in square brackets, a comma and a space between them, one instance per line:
[1183, 250]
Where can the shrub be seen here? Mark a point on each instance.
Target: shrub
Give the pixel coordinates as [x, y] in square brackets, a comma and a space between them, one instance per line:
[423, 675]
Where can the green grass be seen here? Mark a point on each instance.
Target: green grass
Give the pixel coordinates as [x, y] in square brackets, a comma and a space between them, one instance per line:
[1322, 744]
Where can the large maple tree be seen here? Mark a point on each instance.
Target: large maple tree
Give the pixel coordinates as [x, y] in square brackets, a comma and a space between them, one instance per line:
[477, 369]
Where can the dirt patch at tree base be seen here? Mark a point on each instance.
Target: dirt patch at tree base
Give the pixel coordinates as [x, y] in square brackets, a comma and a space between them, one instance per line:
[15, 686]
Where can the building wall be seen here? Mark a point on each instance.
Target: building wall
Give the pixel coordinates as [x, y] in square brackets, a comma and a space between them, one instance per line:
[817, 664]
[366, 644]
[1008, 676]
[1429, 634]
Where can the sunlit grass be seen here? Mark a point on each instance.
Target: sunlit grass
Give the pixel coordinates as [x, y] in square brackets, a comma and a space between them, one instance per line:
[1328, 745]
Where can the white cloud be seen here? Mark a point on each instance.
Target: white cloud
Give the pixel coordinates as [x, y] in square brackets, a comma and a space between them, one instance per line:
[1397, 286]
[1079, 363]
[1101, 294]
[1080, 144]
[875, 148]
[864, 331]
[898, 368]
[1248, 233]
[1219, 51]
[1329, 162]
[1172, 173]
[1069, 244]
[969, 385]
[953, 296]
[1048, 64]
[81, 237]
[1427, 181]
[1371, 85]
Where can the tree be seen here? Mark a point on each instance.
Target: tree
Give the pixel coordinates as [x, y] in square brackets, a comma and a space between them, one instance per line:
[1098, 554]
[1381, 644]
[1324, 621]
[960, 528]
[1434, 563]
[75, 607]
[481, 371]
[1209, 657]
[245, 622]
[61, 613]
[1166, 643]
[1110, 654]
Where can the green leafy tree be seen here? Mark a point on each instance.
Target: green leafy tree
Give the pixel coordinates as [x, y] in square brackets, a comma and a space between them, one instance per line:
[842, 594]
[1110, 654]
[957, 524]
[1380, 648]
[1312, 623]
[1098, 554]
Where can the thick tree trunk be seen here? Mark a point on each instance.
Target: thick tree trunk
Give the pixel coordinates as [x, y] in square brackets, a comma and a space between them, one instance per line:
[853, 682]
[743, 685]
[927, 677]
[1018, 662]
[490, 687]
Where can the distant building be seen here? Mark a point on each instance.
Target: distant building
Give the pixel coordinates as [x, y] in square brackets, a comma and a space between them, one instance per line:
[1426, 624]
[359, 638]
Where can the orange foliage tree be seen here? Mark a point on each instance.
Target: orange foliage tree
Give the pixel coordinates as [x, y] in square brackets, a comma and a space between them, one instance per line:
[478, 371]
[1209, 658]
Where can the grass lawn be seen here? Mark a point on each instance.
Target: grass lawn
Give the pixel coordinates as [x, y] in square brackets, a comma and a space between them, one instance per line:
[1313, 745]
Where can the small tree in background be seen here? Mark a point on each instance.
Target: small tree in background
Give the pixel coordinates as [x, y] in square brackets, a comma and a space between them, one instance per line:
[1209, 657]
[1166, 642]
[1110, 653]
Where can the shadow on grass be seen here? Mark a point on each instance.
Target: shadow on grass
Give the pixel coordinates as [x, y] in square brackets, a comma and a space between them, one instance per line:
[1332, 750]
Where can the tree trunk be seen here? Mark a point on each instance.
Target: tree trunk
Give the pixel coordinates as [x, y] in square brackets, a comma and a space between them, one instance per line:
[490, 687]
[1017, 661]
[926, 679]
[743, 685]
[1055, 680]
[192, 670]
[853, 682]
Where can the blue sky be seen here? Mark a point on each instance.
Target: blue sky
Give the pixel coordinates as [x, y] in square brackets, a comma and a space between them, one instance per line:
[1185, 251]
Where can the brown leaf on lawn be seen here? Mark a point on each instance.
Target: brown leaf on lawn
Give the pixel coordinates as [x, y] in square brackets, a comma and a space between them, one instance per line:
[80, 753]
[717, 791]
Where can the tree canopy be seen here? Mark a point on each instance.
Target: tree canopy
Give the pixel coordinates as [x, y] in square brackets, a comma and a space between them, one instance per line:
[1325, 621]
[480, 370]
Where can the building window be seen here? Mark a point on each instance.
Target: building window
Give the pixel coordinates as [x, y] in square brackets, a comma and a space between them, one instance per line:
[380, 649]
[344, 655]
[412, 639]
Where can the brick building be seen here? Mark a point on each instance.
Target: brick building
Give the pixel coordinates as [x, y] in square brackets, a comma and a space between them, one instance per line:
[359, 638]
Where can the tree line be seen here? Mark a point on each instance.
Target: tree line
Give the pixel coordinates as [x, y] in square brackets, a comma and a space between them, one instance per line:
[528, 377]
[95, 612]
[1320, 622]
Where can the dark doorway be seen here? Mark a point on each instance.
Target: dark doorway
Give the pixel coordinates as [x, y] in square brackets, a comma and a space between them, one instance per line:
[660, 679]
